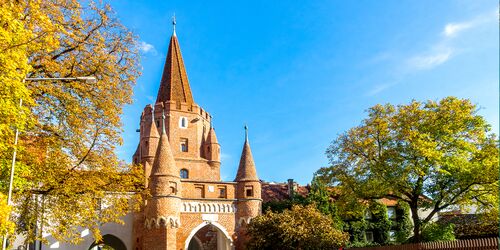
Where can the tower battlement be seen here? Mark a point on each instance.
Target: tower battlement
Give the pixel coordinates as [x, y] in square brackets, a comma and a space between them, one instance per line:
[176, 106]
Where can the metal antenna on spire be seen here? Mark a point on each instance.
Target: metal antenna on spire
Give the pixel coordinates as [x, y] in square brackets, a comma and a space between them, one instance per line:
[246, 132]
[174, 23]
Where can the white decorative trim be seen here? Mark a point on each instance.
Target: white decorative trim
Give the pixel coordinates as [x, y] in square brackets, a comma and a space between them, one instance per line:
[160, 221]
[244, 220]
[211, 207]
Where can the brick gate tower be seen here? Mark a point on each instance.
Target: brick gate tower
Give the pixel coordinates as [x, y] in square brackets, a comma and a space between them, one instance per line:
[188, 206]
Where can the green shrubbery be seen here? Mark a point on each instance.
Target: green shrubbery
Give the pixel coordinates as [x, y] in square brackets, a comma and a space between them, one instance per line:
[437, 232]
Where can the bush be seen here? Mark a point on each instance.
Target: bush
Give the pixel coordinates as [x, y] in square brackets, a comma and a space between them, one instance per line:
[302, 227]
[438, 232]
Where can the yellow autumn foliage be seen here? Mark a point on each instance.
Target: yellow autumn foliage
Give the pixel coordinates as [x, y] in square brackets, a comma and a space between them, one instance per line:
[66, 165]
[301, 227]
[6, 226]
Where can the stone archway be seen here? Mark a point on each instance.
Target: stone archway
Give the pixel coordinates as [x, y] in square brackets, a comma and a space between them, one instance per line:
[109, 241]
[209, 236]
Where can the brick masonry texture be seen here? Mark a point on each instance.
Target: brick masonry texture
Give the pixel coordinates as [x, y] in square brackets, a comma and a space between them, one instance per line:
[198, 199]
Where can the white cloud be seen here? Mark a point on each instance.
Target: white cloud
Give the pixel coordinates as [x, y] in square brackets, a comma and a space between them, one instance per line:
[431, 60]
[442, 50]
[452, 29]
[146, 47]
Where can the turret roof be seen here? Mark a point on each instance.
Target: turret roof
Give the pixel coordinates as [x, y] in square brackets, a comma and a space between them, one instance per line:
[246, 169]
[150, 129]
[164, 163]
[211, 138]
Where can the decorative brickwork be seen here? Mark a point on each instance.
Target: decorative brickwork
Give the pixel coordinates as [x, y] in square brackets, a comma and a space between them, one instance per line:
[194, 209]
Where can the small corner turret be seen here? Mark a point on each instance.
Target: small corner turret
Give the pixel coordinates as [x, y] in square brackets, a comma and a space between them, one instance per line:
[246, 168]
[211, 148]
[149, 135]
[162, 210]
[248, 191]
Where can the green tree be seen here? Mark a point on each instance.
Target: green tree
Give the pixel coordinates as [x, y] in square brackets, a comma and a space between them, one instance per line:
[281, 205]
[69, 129]
[298, 228]
[430, 155]
[322, 198]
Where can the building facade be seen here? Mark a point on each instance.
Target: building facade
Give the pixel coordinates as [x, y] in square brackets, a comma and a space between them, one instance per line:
[189, 207]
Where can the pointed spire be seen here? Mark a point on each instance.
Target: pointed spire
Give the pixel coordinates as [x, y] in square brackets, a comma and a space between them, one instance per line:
[211, 138]
[246, 169]
[164, 163]
[151, 130]
[174, 85]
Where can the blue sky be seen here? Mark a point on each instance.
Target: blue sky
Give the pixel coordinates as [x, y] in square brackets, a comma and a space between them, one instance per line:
[301, 72]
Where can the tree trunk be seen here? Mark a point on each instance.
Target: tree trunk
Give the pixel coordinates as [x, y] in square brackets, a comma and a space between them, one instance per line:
[416, 223]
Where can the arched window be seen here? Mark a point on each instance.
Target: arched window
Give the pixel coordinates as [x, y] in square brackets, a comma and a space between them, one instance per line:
[184, 173]
[183, 122]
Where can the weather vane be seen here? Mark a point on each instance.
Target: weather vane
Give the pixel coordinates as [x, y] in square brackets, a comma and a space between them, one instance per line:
[174, 22]
[246, 132]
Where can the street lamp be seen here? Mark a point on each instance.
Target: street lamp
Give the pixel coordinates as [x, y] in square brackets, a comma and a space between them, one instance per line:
[91, 79]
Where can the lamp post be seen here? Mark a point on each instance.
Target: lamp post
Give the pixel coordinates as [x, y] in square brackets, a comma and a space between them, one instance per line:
[9, 196]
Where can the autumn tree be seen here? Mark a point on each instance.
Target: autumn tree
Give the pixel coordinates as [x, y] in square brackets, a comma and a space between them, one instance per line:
[298, 228]
[430, 155]
[322, 198]
[69, 129]
[6, 226]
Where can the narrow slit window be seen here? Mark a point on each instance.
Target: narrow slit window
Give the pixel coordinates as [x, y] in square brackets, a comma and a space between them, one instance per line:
[183, 122]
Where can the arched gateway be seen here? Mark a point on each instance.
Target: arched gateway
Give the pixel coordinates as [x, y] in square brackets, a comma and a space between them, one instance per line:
[190, 206]
[209, 235]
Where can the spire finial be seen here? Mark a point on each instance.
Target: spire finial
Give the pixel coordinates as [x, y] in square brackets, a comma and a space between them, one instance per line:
[163, 122]
[174, 23]
[246, 132]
